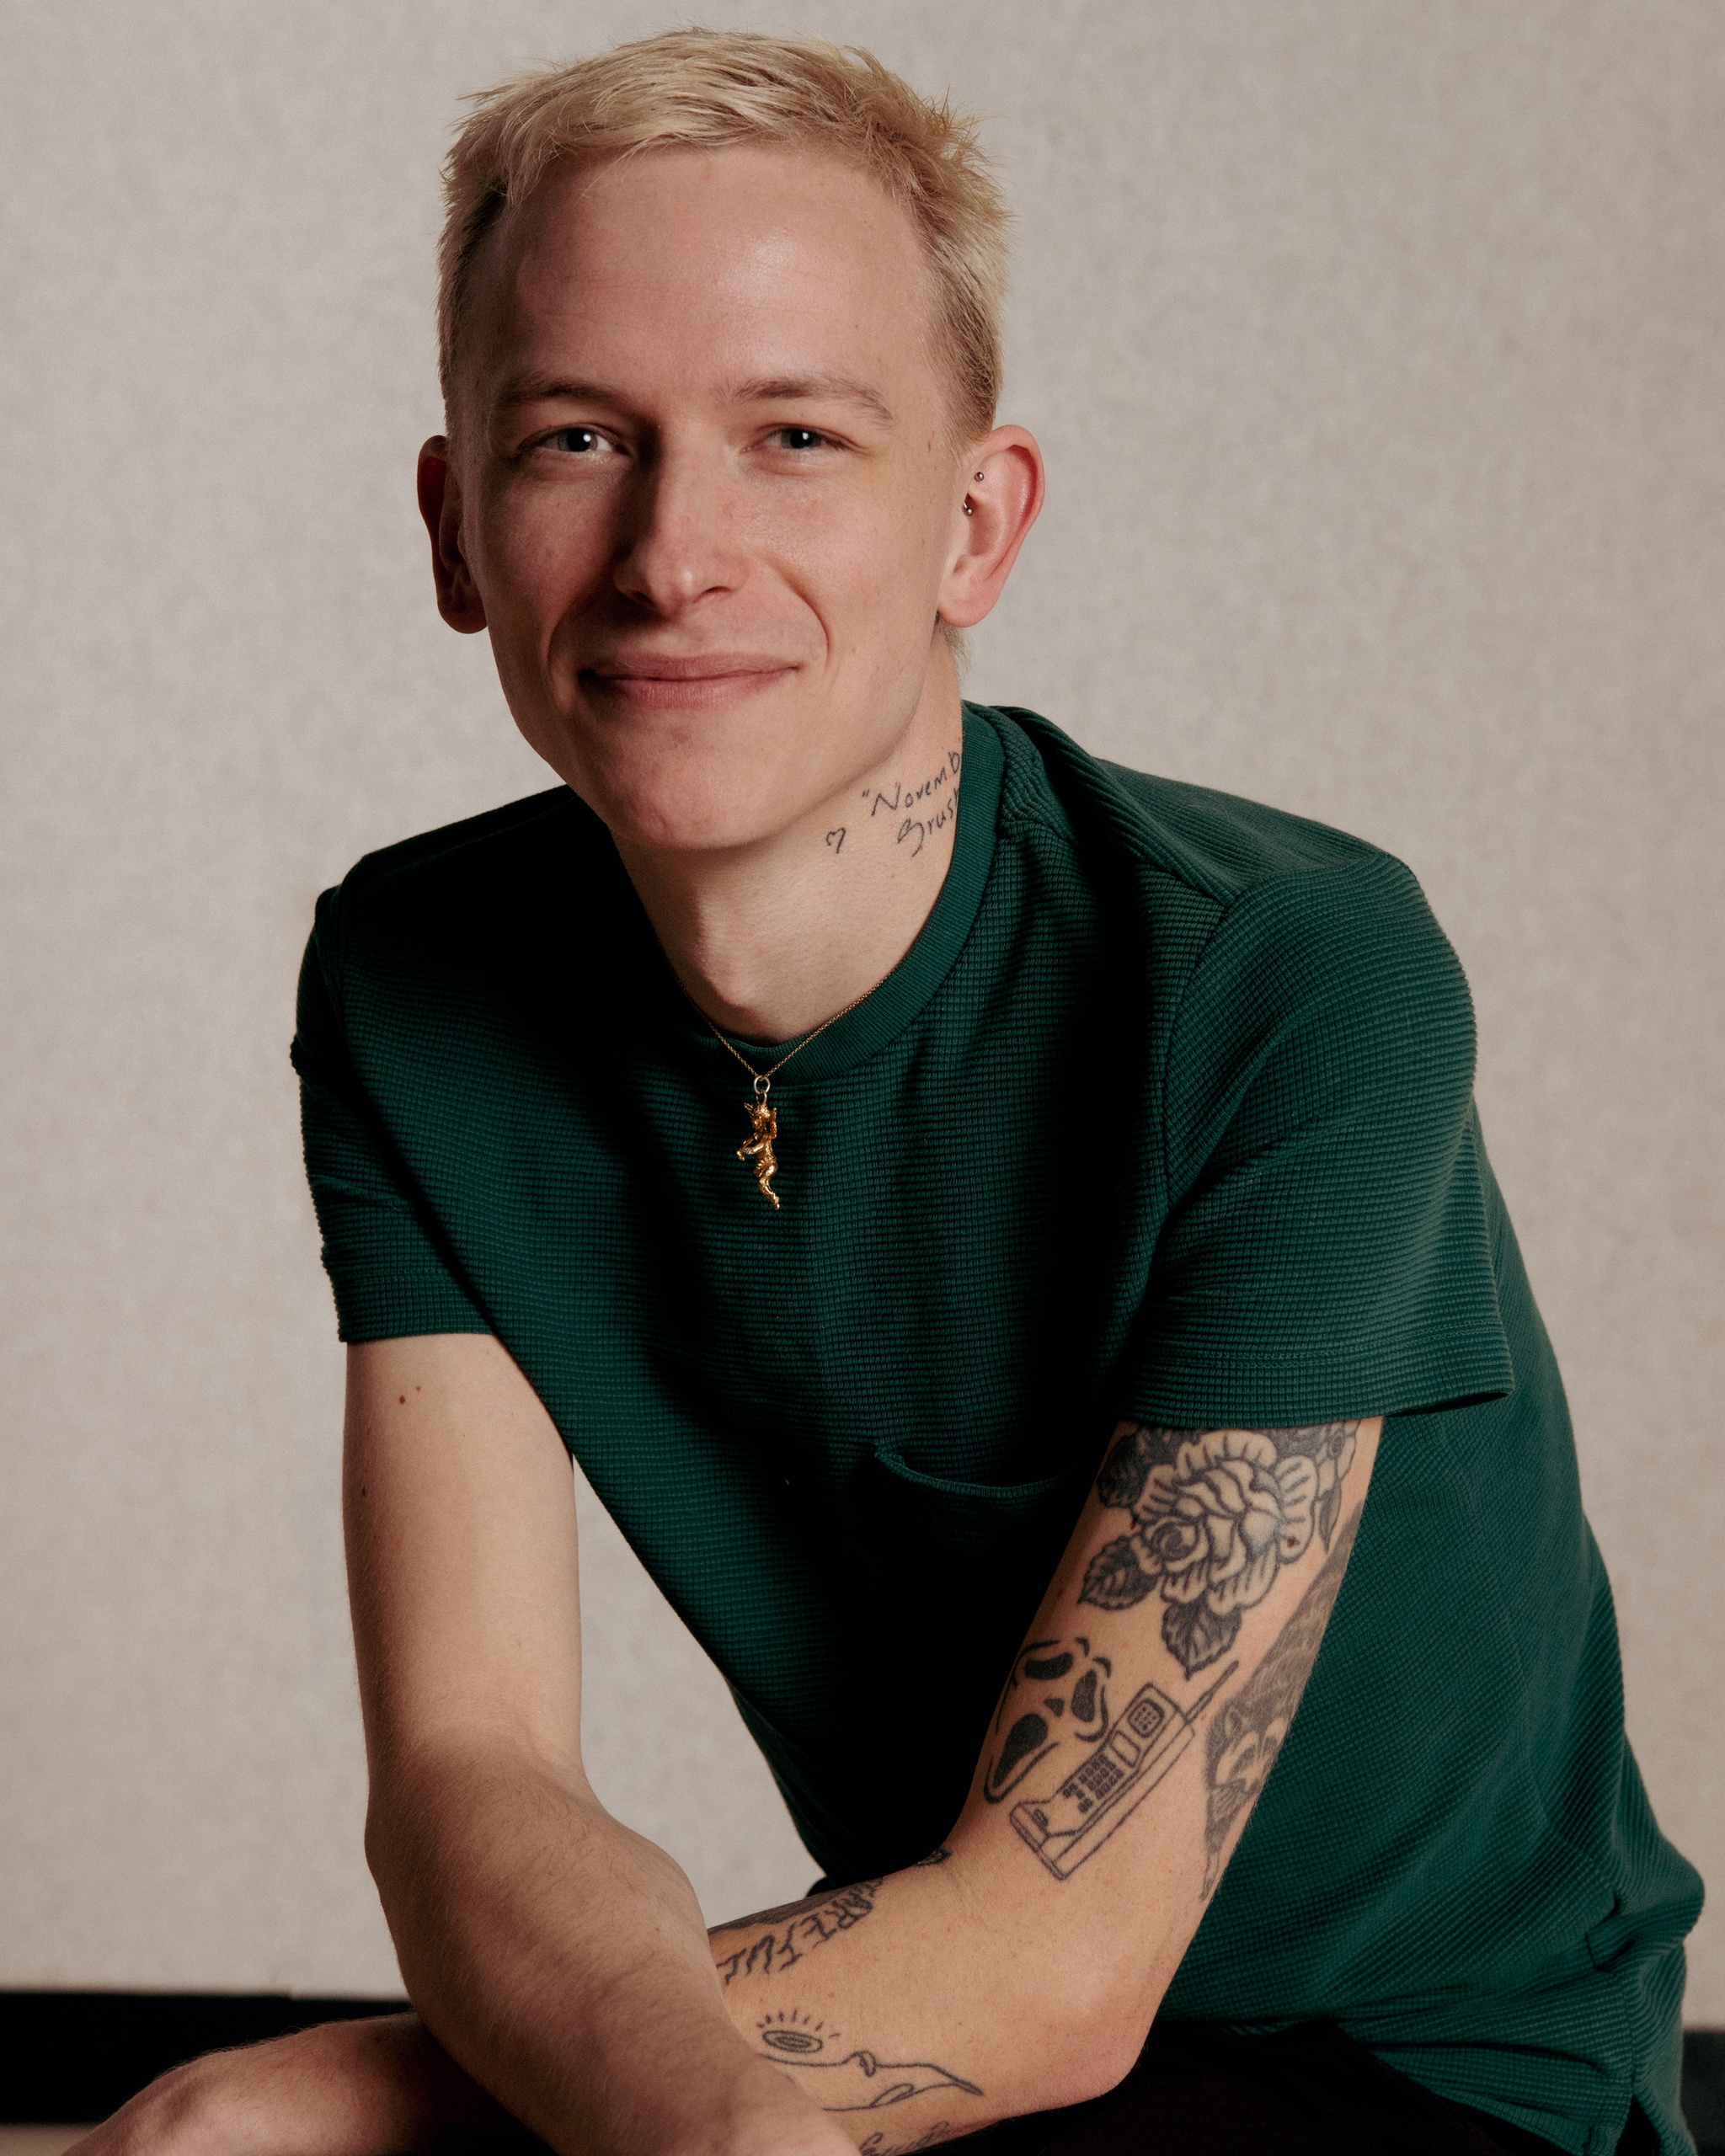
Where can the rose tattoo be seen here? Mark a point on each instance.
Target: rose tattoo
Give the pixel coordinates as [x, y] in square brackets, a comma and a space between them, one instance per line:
[1217, 1514]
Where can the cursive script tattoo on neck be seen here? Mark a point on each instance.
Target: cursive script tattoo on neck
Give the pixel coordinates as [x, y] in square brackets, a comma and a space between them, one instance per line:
[913, 809]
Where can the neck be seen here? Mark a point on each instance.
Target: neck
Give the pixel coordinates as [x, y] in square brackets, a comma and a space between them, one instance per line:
[772, 939]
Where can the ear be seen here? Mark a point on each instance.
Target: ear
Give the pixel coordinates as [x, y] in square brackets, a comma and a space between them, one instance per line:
[458, 599]
[1000, 486]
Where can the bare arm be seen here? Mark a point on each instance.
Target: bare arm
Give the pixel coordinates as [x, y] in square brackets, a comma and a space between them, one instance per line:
[552, 1954]
[557, 1956]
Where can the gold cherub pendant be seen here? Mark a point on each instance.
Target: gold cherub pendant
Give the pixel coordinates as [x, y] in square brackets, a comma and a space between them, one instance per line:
[763, 1125]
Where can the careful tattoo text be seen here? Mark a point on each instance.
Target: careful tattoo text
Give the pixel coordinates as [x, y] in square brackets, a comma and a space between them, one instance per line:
[796, 1929]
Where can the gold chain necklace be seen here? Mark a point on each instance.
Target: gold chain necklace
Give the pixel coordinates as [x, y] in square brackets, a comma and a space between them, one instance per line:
[757, 1149]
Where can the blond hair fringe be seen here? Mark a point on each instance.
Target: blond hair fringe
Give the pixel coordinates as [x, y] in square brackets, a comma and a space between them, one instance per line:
[713, 89]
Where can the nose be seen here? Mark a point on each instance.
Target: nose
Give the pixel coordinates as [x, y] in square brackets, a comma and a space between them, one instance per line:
[679, 545]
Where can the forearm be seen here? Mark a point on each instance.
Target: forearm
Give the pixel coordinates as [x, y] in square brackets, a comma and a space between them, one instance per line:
[561, 1959]
[959, 1984]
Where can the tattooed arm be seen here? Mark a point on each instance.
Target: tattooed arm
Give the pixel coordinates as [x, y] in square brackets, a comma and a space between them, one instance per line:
[1019, 1968]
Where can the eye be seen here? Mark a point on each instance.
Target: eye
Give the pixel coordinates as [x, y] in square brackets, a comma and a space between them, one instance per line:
[578, 441]
[803, 438]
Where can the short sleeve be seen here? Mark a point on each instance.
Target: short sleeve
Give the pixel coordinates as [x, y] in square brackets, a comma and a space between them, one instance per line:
[383, 1253]
[1327, 1251]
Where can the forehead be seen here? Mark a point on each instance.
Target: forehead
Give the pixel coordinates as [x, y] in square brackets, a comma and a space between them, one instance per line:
[683, 266]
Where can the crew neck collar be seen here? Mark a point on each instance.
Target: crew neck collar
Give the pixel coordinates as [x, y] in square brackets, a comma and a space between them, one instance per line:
[887, 1010]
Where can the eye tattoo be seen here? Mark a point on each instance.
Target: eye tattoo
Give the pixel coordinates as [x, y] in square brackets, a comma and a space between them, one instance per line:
[847, 2077]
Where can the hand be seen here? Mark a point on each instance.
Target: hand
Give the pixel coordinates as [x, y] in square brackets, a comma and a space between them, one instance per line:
[381, 2086]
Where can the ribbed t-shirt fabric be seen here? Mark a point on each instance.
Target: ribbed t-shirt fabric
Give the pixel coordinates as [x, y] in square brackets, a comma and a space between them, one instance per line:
[1167, 1113]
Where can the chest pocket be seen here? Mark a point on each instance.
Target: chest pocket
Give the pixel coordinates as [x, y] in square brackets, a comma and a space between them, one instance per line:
[970, 1561]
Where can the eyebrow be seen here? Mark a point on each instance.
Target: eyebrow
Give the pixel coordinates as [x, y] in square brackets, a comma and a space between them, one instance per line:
[822, 388]
[769, 389]
[539, 389]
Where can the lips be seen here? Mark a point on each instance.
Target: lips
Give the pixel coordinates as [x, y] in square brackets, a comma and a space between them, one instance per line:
[703, 666]
[711, 677]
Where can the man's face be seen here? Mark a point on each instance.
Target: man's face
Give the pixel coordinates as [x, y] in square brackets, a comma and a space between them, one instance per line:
[706, 488]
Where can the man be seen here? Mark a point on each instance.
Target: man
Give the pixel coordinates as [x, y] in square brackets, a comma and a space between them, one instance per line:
[976, 1214]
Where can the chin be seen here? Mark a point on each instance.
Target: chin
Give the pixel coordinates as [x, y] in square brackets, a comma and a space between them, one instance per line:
[687, 811]
[703, 788]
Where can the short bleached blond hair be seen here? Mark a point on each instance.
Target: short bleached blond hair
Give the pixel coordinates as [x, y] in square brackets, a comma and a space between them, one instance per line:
[714, 89]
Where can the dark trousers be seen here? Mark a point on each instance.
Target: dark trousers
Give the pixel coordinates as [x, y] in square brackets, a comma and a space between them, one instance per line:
[1310, 2091]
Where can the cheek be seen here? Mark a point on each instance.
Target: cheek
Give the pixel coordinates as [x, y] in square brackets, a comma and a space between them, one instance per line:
[538, 550]
[869, 565]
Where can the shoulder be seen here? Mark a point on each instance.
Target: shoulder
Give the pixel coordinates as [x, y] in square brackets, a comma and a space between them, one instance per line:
[436, 929]
[1281, 919]
[478, 848]
[1218, 846]
[463, 877]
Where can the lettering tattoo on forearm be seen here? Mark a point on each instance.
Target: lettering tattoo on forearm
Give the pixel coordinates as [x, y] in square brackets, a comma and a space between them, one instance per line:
[796, 1929]
[1216, 1515]
[1244, 1740]
[845, 2076]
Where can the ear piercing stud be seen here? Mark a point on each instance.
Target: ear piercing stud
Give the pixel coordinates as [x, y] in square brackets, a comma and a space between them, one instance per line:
[970, 507]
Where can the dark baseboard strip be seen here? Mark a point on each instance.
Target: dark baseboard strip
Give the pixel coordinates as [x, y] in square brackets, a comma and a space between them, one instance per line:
[66, 2056]
[1704, 2088]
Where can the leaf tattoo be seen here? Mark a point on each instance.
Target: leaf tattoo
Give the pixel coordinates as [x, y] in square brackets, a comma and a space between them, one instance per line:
[1196, 1635]
[1114, 1578]
[1127, 1468]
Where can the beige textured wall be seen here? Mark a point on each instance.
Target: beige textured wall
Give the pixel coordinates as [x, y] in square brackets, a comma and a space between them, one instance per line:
[1376, 345]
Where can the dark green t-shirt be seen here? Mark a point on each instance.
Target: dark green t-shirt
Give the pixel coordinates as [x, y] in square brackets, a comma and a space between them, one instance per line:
[1167, 1113]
